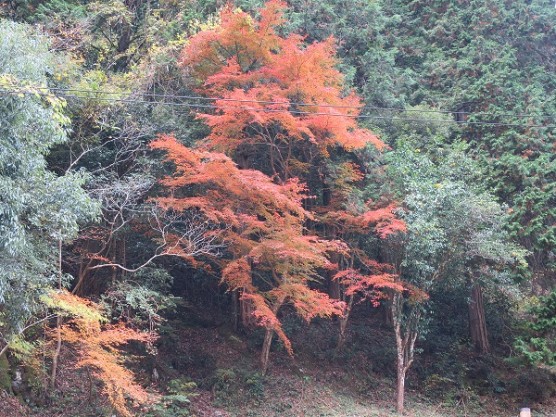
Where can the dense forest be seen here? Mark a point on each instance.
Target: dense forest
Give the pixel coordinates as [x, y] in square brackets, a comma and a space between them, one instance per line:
[277, 208]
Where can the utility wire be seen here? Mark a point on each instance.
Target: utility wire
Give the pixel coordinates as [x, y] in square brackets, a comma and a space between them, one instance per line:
[297, 112]
[302, 104]
[299, 104]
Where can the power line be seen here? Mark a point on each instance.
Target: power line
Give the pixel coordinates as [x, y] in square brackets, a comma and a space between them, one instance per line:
[302, 104]
[297, 112]
[292, 103]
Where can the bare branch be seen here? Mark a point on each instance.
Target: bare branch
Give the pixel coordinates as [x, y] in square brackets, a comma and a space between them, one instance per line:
[7, 345]
[177, 236]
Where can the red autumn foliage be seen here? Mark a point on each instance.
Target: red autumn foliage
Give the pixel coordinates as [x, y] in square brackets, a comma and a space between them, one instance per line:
[280, 109]
[356, 282]
[263, 228]
[273, 92]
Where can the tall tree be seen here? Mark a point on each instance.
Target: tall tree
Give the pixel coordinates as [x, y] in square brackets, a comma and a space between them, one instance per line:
[281, 108]
[455, 233]
[38, 209]
[278, 101]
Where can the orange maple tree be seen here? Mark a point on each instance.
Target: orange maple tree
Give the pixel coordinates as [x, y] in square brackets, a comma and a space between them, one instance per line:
[280, 116]
[280, 106]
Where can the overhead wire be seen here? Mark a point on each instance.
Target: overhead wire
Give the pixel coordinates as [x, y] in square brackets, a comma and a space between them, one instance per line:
[302, 104]
[21, 90]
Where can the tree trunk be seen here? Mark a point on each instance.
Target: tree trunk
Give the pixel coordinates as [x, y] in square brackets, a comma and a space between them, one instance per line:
[386, 314]
[334, 289]
[5, 380]
[396, 308]
[342, 334]
[267, 343]
[266, 350]
[343, 325]
[246, 312]
[56, 355]
[400, 389]
[406, 336]
[477, 320]
[235, 310]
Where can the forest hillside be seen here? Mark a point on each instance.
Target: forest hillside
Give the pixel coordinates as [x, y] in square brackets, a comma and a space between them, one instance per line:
[277, 208]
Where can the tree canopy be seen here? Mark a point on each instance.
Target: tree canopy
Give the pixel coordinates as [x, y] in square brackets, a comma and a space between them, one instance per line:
[365, 188]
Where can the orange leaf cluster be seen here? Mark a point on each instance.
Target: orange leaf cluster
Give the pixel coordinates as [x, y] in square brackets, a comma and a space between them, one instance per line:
[244, 199]
[260, 77]
[237, 275]
[97, 347]
[385, 221]
[264, 229]
[98, 350]
[310, 303]
[382, 220]
[355, 282]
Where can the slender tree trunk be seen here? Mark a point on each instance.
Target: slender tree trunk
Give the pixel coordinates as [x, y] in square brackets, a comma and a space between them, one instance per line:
[334, 289]
[114, 250]
[124, 258]
[5, 380]
[235, 310]
[406, 336]
[343, 325]
[400, 354]
[342, 334]
[266, 350]
[386, 313]
[400, 388]
[400, 351]
[81, 275]
[267, 343]
[246, 312]
[4, 349]
[56, 355]
[477, 320]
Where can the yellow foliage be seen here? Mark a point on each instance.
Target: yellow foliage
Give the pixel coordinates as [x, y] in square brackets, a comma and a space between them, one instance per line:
[97, 345]
[81, 310]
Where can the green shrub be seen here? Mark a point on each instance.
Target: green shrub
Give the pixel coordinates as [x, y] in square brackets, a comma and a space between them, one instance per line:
[176, 402]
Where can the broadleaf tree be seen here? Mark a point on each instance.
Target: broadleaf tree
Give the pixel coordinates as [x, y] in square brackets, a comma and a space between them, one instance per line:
[455, 233]
[38, 208]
